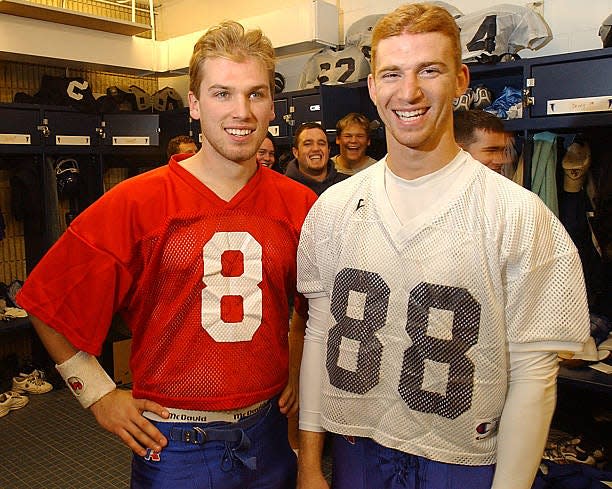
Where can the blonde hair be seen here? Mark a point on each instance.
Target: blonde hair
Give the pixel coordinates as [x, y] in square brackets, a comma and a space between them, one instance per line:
[353, 118]
[417, 18]
[229, 40]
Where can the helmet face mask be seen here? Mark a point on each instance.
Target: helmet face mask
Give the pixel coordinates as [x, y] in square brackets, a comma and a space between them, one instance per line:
[67, 177]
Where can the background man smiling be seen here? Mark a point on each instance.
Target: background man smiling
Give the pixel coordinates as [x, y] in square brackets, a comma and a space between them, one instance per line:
[312, 166]
[353, 140]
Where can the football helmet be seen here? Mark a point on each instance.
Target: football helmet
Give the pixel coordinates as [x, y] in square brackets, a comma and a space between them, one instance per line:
[279, 82]
[67, 177]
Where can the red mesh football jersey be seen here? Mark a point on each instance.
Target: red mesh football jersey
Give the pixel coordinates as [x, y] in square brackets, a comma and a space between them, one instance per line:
[202, 283]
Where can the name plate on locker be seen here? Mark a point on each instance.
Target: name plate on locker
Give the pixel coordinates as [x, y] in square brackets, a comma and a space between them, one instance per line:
[72, 140]
[131, 141]
[274, 130]
[578, 105]
[15, 139]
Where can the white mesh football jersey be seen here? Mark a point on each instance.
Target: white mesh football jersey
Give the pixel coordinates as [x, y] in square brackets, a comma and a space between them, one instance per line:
[359, 32]
[421, 315]
[329, 66]
[501, 29]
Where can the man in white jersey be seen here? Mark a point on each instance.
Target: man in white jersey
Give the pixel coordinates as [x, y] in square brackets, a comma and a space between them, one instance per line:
[439, 293]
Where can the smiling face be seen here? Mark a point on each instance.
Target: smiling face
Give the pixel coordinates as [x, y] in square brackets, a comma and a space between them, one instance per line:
[234, 107]
[266, 155]
[353, 143]
[312, 153]
[416, 79]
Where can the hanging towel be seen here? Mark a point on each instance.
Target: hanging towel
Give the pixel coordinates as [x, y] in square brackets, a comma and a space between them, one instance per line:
[543, 169]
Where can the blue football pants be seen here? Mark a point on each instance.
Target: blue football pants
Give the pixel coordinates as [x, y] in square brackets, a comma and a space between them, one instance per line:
[361, 463]
[251, 454]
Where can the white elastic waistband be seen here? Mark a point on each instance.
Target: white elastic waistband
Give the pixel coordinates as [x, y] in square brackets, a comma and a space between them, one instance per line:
[189, 416]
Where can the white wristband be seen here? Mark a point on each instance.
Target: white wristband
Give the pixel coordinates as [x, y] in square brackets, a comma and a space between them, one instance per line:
[86, 378]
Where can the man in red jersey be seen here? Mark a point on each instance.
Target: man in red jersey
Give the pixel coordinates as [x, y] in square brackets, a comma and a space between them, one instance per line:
[198, 257]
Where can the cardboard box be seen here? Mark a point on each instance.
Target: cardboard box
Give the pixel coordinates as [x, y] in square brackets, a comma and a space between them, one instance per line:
[121, 361]
[115, 359]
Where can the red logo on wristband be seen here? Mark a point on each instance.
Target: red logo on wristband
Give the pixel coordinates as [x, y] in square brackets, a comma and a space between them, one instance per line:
[76, 385]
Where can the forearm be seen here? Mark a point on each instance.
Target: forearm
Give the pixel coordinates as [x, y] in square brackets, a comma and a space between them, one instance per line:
[525, 420]
[81, 371]
[296, 345]
[59, 348]
[312, 435]
[311, 453]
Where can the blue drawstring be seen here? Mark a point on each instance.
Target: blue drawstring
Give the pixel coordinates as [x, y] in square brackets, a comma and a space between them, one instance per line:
[231, 455]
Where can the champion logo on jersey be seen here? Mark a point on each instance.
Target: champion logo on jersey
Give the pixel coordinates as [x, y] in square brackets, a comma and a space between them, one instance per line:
[486, 428]
[152, 455]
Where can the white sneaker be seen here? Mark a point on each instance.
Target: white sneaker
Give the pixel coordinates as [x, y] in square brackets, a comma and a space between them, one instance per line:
[34, 373]
[31, 383]
[10, 401]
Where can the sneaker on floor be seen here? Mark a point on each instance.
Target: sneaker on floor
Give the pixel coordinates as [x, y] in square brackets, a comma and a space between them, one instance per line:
[10, 401]
[39, 374]
[31, 384]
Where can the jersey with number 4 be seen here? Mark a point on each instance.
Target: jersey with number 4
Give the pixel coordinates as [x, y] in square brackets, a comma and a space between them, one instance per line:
[422, 314]
[203, 284]
[502, 29]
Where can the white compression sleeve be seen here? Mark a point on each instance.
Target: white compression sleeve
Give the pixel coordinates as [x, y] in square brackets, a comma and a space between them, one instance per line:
[312, 361]
[524, 424]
